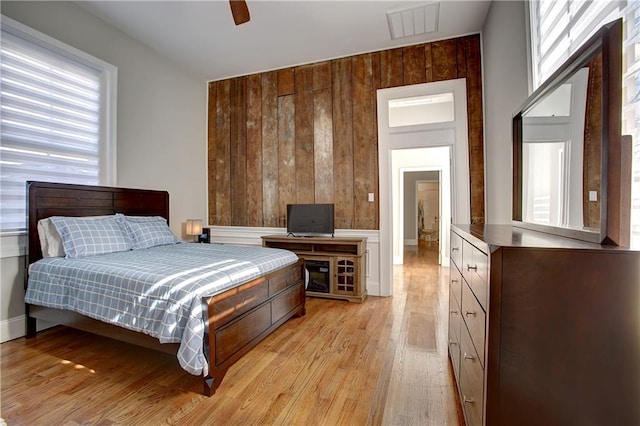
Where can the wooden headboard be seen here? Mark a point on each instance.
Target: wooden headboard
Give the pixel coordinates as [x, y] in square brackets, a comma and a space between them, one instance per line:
[60, 199]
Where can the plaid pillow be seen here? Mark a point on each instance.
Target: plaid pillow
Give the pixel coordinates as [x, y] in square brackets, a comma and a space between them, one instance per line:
[148, 231]
[83, 237]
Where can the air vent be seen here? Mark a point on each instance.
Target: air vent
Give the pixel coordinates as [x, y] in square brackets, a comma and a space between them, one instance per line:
[413, 21]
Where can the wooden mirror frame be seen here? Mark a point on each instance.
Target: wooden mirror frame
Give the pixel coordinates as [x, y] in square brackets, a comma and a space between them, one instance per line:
[614, 187]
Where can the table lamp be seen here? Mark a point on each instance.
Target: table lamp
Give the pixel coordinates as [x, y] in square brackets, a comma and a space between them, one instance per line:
[194, 228]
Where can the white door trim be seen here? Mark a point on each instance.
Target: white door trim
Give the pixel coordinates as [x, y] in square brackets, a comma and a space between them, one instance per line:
[460, 197]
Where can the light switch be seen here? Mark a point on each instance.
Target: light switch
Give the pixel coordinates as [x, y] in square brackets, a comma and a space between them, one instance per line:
[371, 197]
[593, 195]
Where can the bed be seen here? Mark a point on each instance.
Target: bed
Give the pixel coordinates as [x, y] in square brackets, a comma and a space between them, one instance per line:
[231, 317]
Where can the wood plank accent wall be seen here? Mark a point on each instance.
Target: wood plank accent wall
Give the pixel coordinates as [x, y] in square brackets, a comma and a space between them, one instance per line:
[308, 134]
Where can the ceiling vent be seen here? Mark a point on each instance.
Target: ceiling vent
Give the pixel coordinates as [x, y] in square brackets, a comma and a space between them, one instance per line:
[413, 21]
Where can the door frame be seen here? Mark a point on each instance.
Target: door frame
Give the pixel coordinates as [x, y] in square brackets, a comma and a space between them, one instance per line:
[440, 221]
[453, 133]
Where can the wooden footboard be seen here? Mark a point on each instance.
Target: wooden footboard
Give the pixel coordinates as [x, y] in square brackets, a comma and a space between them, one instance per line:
[241, 317]
[238, 320]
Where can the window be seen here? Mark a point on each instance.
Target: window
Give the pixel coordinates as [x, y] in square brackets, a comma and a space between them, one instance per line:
[57, 118]
[427, 109]
[631, 107]
[558, 28]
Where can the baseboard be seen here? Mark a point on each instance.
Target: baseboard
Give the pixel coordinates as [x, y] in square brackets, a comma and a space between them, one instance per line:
[12, 328]
[15, 327]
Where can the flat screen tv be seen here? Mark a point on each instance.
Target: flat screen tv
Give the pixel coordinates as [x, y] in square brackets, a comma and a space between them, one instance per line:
[310, 219]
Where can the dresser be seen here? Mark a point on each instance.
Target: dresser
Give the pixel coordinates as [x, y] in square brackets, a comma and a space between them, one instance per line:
[543, 330]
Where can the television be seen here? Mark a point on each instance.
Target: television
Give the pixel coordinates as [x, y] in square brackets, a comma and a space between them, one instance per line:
[310, 219]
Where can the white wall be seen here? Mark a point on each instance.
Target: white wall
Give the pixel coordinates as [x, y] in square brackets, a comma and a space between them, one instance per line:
[505, 76]
[161, 136]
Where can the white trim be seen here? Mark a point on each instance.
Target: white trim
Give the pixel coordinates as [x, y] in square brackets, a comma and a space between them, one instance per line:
[460, 196]
[109, 126]
[14, 328]
[445, 189]
[13, 245]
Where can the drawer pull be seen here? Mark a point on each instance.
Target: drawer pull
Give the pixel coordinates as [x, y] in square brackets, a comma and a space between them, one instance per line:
[467, 400]
[452, 342]
[454, 249]
[454, 312]
[454, 281]
[470, 313]
[467, 356]
[472, 268]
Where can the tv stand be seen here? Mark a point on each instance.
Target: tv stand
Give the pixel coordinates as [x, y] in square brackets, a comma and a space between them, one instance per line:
[345, 257]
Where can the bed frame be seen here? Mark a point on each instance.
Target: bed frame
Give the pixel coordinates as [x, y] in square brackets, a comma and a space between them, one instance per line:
[237, 319]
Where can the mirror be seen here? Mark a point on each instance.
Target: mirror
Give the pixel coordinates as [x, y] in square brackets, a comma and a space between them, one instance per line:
[566, 146]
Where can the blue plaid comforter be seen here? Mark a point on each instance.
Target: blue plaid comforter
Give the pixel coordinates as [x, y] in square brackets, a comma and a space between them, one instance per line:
[156, 291]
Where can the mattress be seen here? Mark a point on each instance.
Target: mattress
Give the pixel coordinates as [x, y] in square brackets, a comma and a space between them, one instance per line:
[157, 291]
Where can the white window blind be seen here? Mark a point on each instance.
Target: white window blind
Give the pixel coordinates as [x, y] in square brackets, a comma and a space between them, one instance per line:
[559, 27]
[50, 124]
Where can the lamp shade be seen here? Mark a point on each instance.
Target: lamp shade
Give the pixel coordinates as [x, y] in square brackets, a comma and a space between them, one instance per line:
[194, 227]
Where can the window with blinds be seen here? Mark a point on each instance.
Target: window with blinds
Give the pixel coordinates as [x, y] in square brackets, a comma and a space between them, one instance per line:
[51, 120]
[558, 28]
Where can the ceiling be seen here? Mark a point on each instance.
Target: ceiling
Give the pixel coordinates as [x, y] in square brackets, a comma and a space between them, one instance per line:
[201, 37]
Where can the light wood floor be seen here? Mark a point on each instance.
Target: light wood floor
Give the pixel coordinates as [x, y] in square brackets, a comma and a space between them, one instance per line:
[380, 362]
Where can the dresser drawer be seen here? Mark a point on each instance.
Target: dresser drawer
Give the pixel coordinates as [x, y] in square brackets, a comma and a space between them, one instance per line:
[475, 271]
[456, 250]
[474, 318]
[471, 381]
[455, 283]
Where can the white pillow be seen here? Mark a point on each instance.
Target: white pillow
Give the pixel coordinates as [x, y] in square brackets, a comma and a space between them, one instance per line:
[50, 239]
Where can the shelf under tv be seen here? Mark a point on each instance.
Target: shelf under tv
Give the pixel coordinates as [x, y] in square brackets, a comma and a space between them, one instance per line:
[345, 258]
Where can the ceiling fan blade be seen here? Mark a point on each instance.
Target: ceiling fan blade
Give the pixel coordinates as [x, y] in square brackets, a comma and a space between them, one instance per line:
[240, 11]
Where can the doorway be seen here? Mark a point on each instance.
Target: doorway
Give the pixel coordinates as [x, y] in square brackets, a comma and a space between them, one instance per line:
[449, 134]
[427, 210]
[416, 163]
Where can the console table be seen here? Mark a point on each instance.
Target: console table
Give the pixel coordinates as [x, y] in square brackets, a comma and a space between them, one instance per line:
[336, 265]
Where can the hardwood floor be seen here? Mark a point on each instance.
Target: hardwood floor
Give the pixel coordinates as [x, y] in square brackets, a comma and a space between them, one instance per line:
[380, 362]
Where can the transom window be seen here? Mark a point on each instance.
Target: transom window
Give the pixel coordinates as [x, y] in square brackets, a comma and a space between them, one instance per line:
[428, 109]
